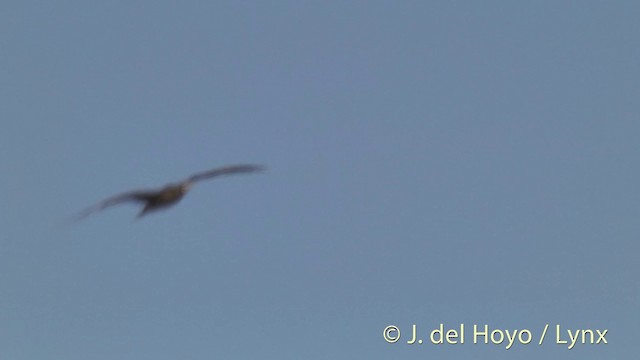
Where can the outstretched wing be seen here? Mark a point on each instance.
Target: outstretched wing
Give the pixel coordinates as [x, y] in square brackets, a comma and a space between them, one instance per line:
[138, 196]
[227, 170]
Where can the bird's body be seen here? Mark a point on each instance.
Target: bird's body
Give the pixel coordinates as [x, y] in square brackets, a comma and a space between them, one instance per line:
[163, 198]
[170, 194]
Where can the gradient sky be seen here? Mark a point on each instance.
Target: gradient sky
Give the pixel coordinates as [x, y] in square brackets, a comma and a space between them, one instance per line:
[428, 162]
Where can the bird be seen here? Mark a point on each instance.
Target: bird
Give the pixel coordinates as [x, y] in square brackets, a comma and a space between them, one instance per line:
[170, 194]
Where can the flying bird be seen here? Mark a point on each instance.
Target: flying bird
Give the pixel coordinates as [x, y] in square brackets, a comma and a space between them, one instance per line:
[168, 195]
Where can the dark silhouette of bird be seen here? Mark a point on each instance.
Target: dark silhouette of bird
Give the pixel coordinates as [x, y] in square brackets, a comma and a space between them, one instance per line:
[170, 194]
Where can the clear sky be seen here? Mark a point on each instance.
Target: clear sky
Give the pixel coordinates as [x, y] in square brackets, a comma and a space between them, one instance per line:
[429, 162]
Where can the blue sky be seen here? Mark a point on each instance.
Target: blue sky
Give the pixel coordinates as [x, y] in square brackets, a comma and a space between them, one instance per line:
[428, 162]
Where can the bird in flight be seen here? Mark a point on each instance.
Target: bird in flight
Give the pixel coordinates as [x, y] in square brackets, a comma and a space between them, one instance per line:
[168, 195]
